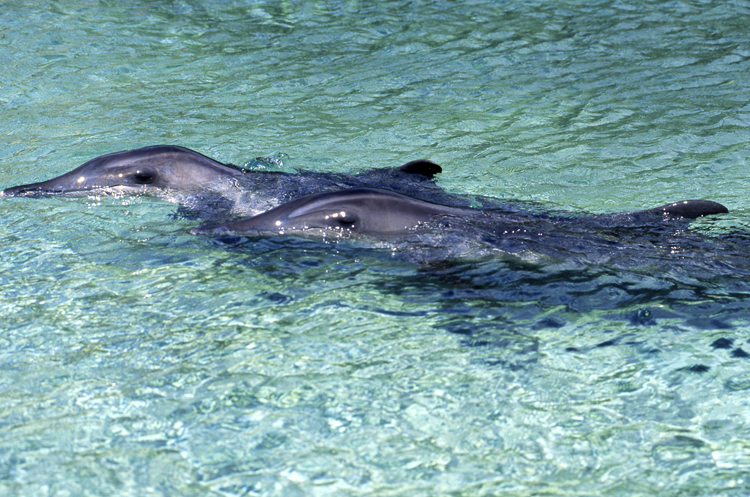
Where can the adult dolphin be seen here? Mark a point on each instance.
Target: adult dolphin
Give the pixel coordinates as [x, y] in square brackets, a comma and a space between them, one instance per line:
[157, 169]
[374, 211]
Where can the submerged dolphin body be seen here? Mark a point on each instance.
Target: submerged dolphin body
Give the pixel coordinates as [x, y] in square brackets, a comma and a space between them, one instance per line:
[185, 174]
[432, 235]
[372, 211]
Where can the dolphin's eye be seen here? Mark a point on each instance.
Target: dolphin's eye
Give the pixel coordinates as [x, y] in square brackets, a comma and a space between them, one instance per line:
[344, 221]
[340, 220]
[144, 177]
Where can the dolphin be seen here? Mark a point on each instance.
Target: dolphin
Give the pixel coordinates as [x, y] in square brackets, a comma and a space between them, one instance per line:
[165, 169]
[376, 212]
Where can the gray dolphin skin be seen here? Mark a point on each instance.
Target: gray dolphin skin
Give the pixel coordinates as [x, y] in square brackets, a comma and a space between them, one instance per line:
[684, 209]
[374, 211]
[134, 171]
[360, 210]
[153, 169]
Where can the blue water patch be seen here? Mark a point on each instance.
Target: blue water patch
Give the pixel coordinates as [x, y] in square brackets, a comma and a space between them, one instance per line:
[139, 359]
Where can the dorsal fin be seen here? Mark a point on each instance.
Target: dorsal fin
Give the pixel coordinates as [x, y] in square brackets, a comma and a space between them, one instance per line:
[691, 209]
[421, 166]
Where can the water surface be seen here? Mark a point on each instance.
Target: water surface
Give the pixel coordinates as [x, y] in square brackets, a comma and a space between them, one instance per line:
[138, 359]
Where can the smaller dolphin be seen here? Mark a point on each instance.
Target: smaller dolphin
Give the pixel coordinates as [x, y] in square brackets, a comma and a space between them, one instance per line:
[374, 211]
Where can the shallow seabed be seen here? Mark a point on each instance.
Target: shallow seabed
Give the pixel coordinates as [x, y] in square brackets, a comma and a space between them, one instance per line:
[139, 360]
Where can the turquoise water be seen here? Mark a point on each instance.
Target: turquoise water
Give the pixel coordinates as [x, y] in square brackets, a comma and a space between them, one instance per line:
[137, 359]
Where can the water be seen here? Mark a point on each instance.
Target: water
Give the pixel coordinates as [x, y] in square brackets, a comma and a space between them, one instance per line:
[138, 359]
